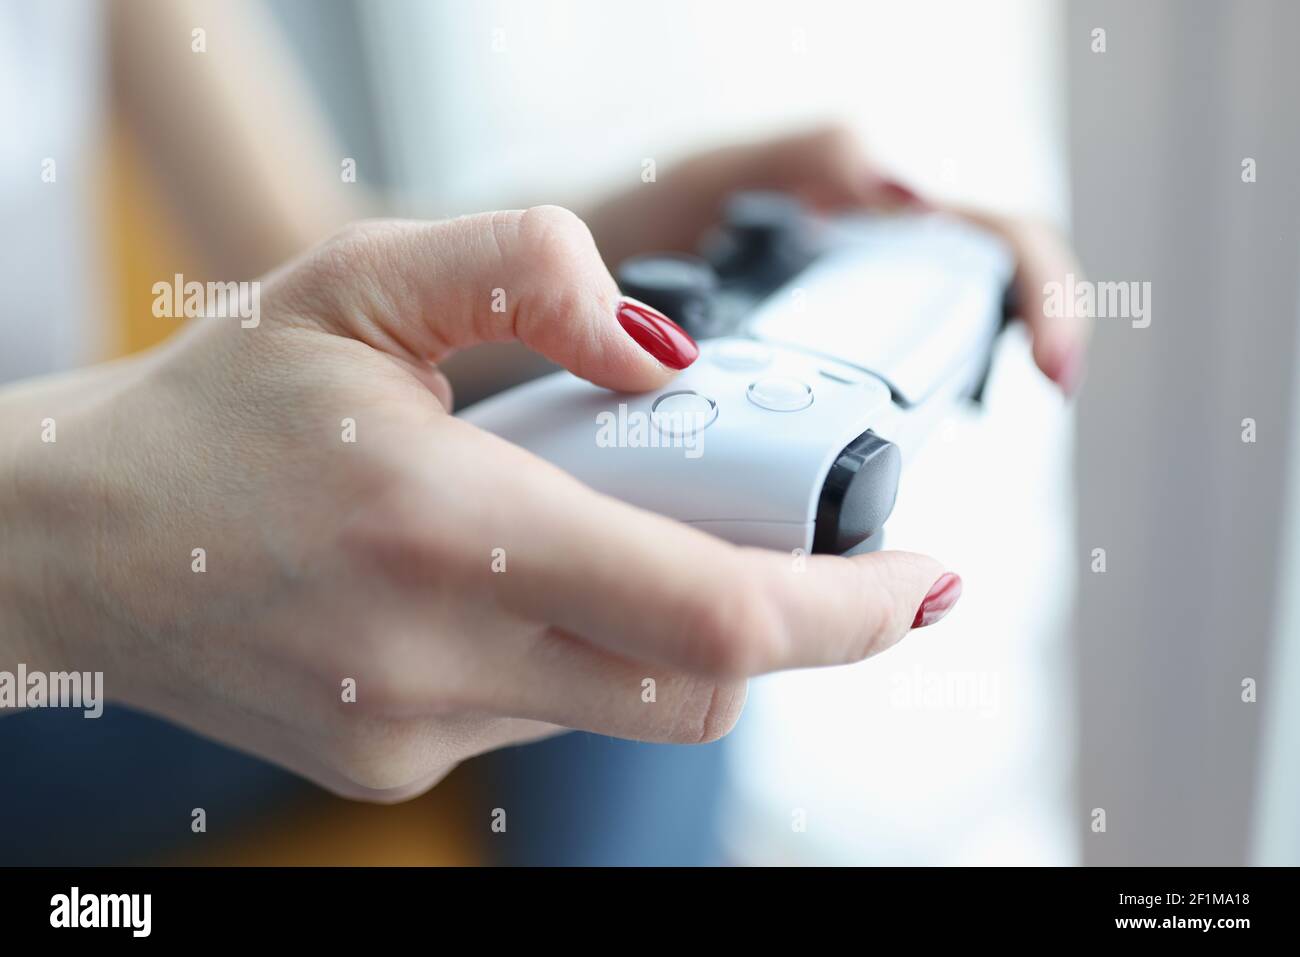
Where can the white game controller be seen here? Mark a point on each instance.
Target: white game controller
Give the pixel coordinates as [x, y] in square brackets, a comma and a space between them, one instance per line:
[840, 342]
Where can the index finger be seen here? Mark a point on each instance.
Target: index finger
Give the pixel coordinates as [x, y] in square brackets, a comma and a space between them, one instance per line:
[656, 589]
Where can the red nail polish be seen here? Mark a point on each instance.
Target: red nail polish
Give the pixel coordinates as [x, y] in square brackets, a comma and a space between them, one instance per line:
[943, 595]
[657, 334]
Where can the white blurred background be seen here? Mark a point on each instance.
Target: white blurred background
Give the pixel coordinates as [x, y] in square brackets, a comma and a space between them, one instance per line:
[485, 96]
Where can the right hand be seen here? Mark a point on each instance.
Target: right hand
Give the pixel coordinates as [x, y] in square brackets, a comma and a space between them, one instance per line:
[373, 561]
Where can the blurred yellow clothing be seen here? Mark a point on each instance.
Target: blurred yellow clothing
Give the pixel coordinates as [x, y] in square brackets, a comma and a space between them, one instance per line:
[143, 244]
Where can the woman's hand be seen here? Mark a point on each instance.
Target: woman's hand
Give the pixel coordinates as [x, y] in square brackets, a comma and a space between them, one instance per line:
[472, 594]
[828, 170]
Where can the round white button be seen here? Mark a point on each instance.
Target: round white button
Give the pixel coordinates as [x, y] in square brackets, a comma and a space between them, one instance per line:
[742, 355]
[781, 394]
[681, 413]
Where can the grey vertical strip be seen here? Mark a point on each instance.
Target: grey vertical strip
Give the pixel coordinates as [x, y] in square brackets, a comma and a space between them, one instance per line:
[1188, 513]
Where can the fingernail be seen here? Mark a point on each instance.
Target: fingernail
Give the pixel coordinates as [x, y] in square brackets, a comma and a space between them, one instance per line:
[896, 192]
[939, 601]
[657, 334]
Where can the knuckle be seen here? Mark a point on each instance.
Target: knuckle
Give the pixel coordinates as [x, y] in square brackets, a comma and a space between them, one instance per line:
[722, 704]
[555, 240]
[379, 542]
[386, 796]
[564, 274]
[385, 689]
[394, 676]
[503, 227]
[554, 225]
[396, 533]
[379, 755]
[834, 137]
[356, 241]
[734, 632]
[358, 232]
[886, 619]
[883, 627]
[377, 687]
[349, 276]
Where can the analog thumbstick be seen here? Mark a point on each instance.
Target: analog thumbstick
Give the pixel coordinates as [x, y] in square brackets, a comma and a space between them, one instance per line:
[765, 238]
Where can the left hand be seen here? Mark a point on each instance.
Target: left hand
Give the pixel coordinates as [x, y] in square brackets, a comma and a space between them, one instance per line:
[828, 169]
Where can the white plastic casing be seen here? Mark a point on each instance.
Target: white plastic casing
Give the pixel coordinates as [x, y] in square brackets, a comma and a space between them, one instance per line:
[752, 475]
[915, 302]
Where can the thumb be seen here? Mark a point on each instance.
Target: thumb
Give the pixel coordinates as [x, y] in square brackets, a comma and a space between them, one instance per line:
[424, 290]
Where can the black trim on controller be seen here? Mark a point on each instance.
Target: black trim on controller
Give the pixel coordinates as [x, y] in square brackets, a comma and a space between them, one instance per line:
[858, 494]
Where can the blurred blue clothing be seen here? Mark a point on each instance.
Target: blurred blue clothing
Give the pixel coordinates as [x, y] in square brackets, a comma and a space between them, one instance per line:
[121, 788]
[588, 800]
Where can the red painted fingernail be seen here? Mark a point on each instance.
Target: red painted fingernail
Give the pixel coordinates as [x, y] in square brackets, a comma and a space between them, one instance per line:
[657, 334]
[943, 595]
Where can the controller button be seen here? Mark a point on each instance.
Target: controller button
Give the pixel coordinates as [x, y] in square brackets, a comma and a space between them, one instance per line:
[742, 356]
[781, 394]
[683, 413]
